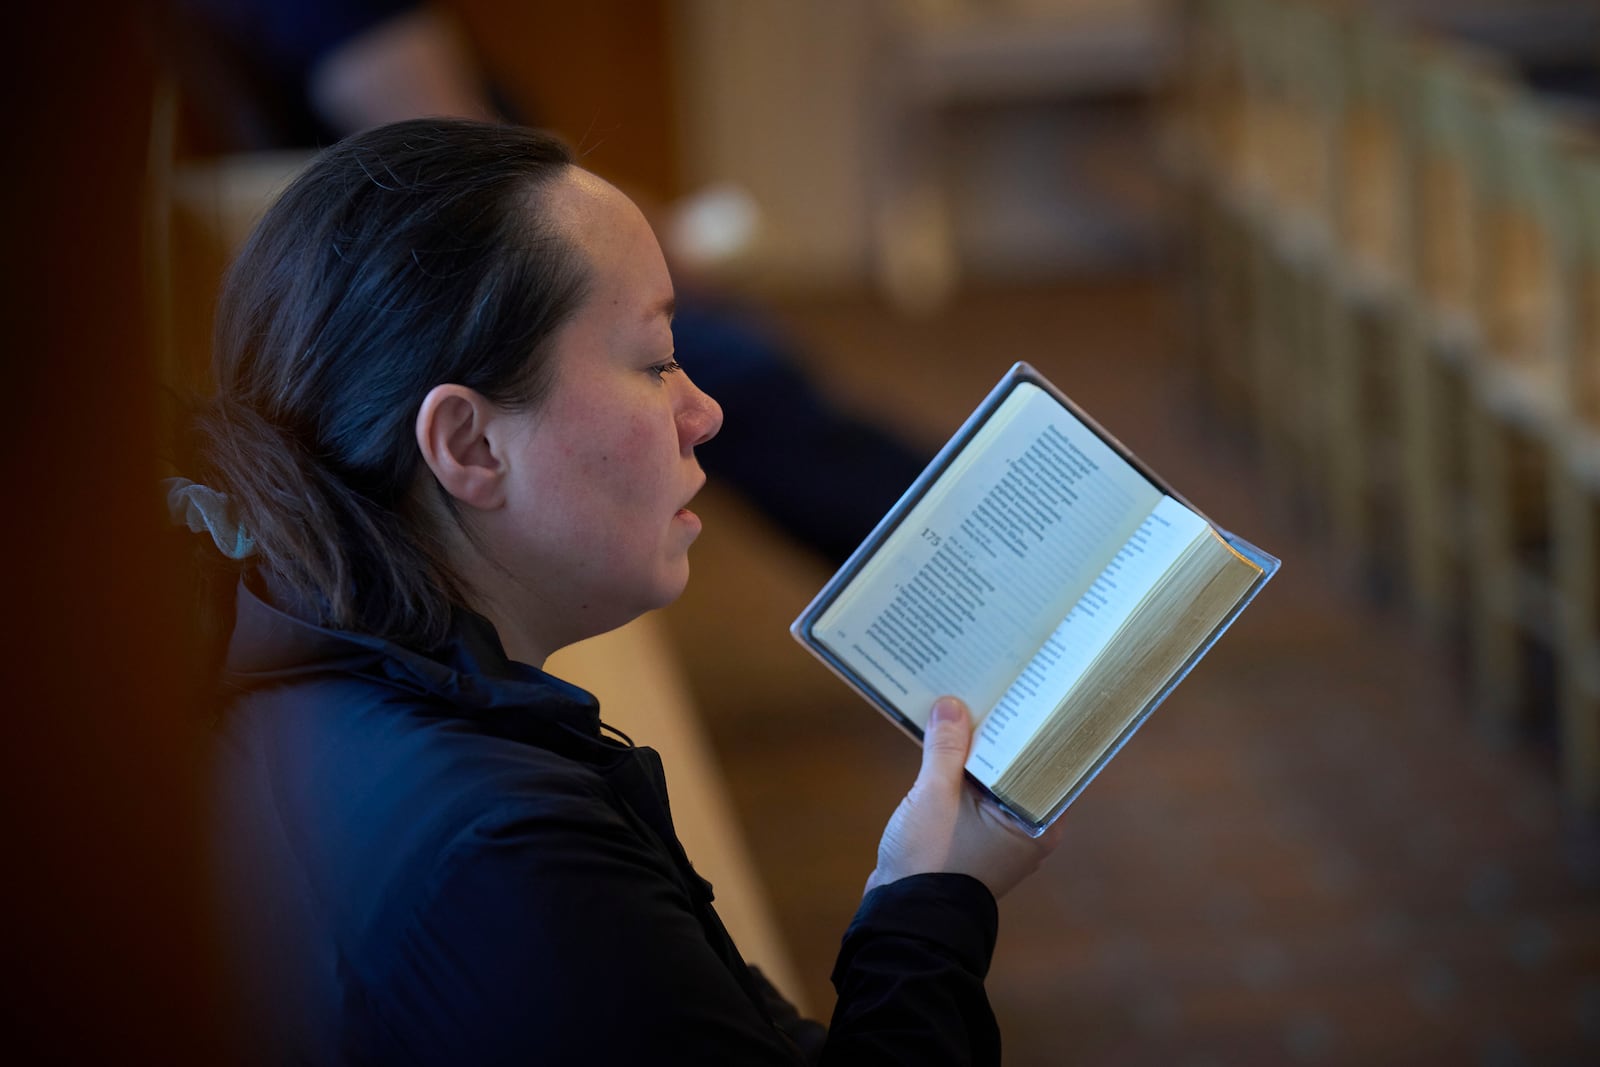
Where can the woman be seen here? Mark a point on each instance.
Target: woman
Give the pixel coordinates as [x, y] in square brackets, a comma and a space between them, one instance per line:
[450, 437]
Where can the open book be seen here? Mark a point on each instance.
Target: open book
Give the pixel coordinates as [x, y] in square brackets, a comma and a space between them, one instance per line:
[1041, 573]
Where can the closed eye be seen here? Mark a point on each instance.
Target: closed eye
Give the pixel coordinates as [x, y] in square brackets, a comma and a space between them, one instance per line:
[661, 370]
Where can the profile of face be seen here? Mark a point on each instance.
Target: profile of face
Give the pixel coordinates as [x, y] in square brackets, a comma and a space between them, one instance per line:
[586, 520]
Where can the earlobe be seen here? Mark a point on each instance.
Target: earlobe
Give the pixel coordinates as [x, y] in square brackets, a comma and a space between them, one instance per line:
[452, 435]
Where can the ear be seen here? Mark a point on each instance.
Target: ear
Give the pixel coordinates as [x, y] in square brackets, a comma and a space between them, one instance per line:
[452, 435]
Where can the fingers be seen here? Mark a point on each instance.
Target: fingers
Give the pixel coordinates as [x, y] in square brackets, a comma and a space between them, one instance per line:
[945, 742]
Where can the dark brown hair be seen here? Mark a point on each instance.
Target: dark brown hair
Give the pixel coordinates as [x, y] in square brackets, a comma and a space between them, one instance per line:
[405, 257]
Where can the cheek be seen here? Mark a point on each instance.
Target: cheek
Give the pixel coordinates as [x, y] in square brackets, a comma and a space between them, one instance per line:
[639, 450]
[624, 464]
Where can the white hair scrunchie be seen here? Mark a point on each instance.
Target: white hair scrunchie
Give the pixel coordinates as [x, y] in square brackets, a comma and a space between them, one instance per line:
[204, 510]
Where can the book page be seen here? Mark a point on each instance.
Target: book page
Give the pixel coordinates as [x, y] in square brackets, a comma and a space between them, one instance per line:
[984, 567]
[1179, 617]
[1097, 617]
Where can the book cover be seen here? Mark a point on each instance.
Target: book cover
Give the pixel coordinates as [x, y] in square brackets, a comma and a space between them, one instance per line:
[1044, 574]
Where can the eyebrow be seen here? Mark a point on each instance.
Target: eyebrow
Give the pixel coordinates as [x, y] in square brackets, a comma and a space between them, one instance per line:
[667, 307]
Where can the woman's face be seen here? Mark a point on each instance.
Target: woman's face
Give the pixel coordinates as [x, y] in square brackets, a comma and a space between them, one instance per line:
[597, 519]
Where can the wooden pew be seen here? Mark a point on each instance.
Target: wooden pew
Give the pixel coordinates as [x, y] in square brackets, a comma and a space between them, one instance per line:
[1518, 403]
[1575, 500]
[1207, 137]
[1398, 292]
[1443, 334]
[1364, 294]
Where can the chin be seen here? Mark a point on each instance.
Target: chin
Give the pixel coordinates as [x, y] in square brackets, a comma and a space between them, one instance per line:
[672, 586]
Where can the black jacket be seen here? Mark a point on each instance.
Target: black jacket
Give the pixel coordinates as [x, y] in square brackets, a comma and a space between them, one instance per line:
[442, 859]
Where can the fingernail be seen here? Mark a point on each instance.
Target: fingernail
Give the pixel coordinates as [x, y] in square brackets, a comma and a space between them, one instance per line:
[948, 709]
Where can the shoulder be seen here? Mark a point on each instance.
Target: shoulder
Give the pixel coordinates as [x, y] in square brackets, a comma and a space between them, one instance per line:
[341, 742]
[356, 827]
[364, 794]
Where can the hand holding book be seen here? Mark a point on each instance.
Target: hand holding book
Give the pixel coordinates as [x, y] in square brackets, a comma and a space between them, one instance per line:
[941, 826]
[1044, 575]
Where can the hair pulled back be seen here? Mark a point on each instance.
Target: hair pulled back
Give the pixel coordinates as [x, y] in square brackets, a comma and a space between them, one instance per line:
[405, 257]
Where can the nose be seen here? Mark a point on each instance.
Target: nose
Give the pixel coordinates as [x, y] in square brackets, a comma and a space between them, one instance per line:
[699, 416]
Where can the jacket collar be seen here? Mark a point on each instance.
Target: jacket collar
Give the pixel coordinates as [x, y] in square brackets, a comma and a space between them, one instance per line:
[470, 671]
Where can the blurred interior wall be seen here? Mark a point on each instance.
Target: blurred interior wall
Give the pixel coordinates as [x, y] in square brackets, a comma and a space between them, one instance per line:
[776, 98]
[599, 72]
[840, 116]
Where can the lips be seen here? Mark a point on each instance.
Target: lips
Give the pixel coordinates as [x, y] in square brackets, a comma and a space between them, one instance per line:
[684, 515]
[692, 495]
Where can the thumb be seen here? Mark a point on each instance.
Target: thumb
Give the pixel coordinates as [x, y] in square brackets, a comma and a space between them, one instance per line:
[945, 743]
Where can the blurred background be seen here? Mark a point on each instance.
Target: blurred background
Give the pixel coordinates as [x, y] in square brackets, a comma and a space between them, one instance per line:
[1333, 268]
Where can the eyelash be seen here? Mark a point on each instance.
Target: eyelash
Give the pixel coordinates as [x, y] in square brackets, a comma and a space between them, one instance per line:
[661, 370]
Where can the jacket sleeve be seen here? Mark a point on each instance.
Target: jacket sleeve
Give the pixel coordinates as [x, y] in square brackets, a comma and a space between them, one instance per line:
[910, 976]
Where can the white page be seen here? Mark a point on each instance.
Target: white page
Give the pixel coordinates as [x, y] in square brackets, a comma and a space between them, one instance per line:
[1085, 633]
[965, 591]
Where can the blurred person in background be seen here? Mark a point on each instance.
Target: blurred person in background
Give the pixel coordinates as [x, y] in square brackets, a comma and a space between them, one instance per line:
[304, 73]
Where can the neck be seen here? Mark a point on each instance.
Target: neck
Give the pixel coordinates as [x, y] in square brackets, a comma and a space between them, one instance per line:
[523, 640]
[532, 620]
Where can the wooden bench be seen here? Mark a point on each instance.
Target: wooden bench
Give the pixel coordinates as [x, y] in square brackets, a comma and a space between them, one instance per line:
[1518, 409]
[1575, 501]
